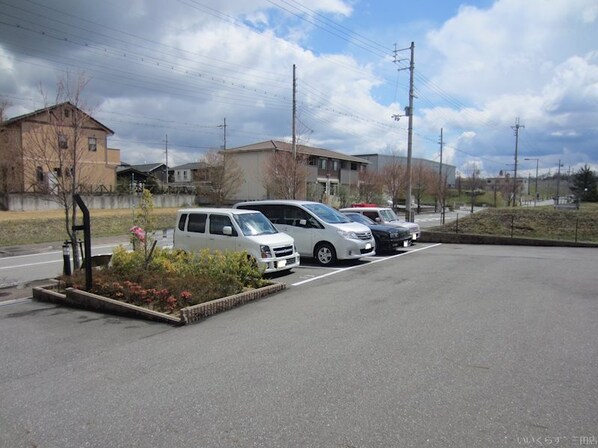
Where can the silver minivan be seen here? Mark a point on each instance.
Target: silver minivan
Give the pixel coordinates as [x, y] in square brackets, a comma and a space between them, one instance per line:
[227, 229]
[319, 231]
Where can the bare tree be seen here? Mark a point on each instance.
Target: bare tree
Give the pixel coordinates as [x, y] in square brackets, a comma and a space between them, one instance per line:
[394, 179]
[220, 177]
[439, 189]
[56, 149]
[285, 176]
[423, 181]
[370, 186]
[4, 104]
[9, 157]
[473, 174]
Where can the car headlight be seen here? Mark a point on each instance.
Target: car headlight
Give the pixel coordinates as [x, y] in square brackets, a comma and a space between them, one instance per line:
[265, 252]
[348, 235]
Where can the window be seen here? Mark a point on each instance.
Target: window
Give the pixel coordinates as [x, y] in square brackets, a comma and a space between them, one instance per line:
[254, 224]
[371, 215]
[217, 224]
[185, 175]
[197, 222]
[335, 165]
[182, 220]
[67, 113]
[39, 174]
[323, 164]
[333, 189]
[57, 172]
[62, 141]
[293, 216]
[92, 144]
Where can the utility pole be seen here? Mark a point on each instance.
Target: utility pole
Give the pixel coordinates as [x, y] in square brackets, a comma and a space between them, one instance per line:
[408, 113]
[440, 181]
[516, 129]
[223, 126]
[473, 187]
[536, 191]
[294, 118]
[294, 131]
[166, 151]
[558, 183]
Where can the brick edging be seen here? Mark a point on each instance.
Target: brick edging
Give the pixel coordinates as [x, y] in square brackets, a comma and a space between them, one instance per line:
[201, 311]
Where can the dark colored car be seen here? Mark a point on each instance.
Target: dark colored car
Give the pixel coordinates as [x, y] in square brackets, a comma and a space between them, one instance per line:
[388, 238]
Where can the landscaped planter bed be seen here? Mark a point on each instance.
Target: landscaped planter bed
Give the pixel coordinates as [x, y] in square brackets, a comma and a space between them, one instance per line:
[191, 314]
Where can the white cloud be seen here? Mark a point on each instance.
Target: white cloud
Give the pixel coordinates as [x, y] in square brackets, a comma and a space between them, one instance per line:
[181, 67]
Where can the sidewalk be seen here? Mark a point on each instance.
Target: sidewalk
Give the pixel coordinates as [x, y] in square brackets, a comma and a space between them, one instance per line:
[20, 292]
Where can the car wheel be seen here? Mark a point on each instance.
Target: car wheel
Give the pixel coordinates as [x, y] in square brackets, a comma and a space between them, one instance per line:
[325, 254]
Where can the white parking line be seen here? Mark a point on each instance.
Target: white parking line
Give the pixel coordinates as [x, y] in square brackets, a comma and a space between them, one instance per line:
[30, 264]
[54, 252]
[377, 260]
[15, 301]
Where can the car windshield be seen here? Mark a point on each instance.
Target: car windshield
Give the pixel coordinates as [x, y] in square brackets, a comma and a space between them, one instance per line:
[358, 217]
[388, 215]
[327, 214]
[253, 224]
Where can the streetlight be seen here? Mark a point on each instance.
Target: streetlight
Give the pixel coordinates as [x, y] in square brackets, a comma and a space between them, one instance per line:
[537, 162]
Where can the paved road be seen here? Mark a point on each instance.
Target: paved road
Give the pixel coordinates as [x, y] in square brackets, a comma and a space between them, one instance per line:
[452, 346]
[25, 264]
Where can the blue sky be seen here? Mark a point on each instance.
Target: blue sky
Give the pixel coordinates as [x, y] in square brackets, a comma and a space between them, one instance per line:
[177, 68]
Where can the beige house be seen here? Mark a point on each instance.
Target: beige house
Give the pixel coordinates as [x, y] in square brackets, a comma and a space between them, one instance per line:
[327, 171]
[41, 149]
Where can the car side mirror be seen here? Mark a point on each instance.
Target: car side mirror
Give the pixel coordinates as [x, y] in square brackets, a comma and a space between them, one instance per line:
[303, 222]
[378, 220]
[227, 230]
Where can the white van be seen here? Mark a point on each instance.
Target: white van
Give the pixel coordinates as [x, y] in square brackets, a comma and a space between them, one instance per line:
[319, 231]
[227, 229]
[385, 215]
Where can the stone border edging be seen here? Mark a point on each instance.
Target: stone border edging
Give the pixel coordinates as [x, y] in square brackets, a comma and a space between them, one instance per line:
[82, 299]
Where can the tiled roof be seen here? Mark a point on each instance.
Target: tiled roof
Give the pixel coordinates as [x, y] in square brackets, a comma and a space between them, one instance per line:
[272, 145]
[50, 108]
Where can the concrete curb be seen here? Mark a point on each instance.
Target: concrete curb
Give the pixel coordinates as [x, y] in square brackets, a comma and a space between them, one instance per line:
[85, 300]
[466, 238]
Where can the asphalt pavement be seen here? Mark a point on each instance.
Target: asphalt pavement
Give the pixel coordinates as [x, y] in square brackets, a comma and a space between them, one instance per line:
[452, 346]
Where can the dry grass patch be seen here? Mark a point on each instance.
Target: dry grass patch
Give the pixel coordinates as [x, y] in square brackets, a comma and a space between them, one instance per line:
[532, 222]
[48, 226]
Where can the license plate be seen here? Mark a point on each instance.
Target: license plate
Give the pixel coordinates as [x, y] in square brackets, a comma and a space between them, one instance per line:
[368, 246]
[282, 263]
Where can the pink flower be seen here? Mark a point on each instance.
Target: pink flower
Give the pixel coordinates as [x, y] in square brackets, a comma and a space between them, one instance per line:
[138, 233]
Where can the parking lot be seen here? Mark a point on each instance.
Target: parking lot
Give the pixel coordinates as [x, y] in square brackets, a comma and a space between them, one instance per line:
[310, 270]
[446, 346]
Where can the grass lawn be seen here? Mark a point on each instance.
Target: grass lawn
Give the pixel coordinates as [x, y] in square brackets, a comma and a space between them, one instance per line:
[532, 222]
[17, 228]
